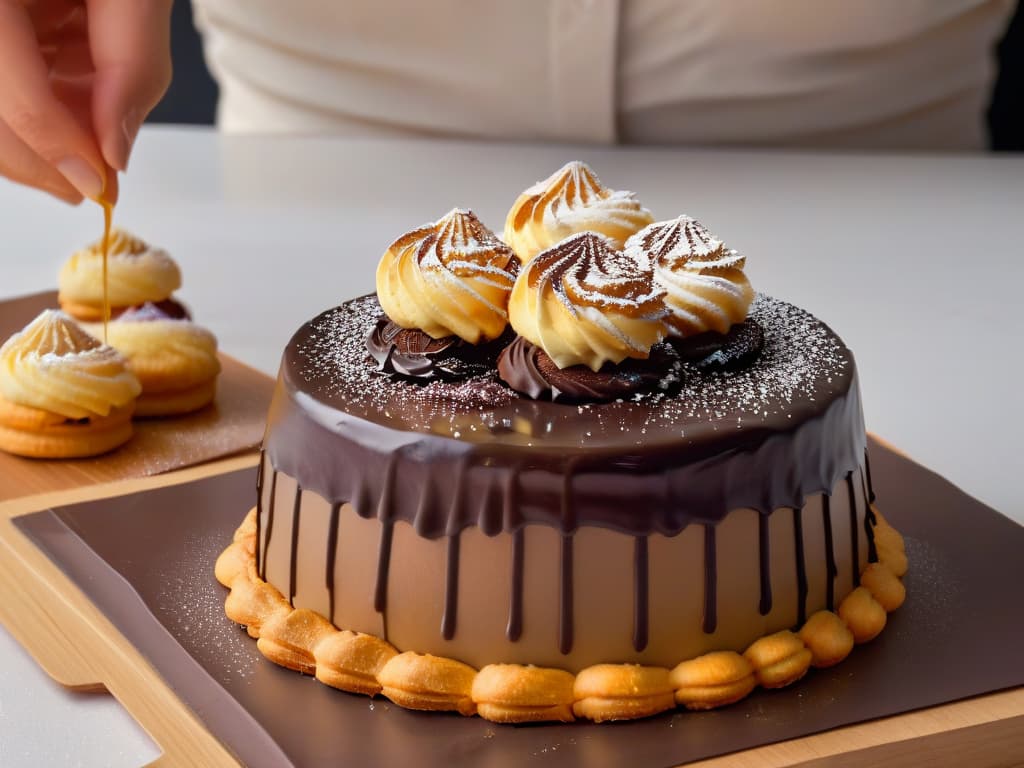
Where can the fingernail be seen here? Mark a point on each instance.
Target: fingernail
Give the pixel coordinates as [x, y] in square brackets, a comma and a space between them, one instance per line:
[130, 129]
[82, 176]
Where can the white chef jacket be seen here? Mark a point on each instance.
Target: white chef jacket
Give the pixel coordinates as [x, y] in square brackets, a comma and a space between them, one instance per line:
[913, 74]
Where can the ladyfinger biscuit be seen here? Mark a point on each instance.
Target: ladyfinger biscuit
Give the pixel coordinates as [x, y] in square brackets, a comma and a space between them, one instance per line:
[712, 680]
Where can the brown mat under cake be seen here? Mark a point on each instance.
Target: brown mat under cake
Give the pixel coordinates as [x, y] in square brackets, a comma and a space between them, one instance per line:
[232, 424]
[146, 561]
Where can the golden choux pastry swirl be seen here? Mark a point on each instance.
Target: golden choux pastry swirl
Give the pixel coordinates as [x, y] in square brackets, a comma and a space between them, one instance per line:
[586, 304]
[571, 200]
[705, 286]
[137, 273]
[449, 278]
[55, 366]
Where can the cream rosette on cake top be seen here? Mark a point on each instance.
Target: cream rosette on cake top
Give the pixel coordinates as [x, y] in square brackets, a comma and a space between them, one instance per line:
[585, 303]
[54, 365]
[136, 273]
[449, 278]
[571, 200]
[704, 283]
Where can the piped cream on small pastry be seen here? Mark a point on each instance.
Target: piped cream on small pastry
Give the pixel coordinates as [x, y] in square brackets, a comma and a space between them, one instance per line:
[63, 393]
[137, 273]
[174, 359]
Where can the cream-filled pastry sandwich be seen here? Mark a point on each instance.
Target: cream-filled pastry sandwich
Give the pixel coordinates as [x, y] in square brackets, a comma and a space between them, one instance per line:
[569, 201]
[137, 273]
[704, 283]
[174, 359]
[63, 393]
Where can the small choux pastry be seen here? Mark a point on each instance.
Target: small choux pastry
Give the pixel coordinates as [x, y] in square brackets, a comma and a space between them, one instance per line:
[351, 661]
[288, 638]
[778, 660]
[863, 614]
[514, 693]
[712, 680]
[883, 586]
[828, 638]
[622, 692]
[422, 681]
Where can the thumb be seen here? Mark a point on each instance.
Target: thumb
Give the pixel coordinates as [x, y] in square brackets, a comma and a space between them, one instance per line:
[130, 42]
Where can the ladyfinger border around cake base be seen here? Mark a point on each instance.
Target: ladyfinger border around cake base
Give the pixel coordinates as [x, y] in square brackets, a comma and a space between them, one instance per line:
[305, 641]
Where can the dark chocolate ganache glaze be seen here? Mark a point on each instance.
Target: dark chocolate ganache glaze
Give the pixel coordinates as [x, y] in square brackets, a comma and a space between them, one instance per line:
[446, 455]
[411, 352]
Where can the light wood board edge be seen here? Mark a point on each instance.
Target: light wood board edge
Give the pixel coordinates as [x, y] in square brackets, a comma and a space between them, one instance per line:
[76, 645]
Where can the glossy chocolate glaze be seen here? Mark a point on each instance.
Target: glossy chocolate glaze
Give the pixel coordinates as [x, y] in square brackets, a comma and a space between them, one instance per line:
[413, 354]
[787, 426]
[528, 370]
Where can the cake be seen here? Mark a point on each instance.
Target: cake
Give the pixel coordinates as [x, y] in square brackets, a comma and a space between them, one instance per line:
[650, 488]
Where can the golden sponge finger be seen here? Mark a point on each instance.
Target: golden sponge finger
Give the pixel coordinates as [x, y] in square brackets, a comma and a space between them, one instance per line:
[516, 693]
[778, 660]
[863, 614]
[351, 661]
[423, 681]
[827, 637]
[622, 692]
[712, 680]
[288, 638]
[883, 586]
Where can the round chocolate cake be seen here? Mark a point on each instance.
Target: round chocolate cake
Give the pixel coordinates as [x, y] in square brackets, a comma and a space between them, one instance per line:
[602, 499]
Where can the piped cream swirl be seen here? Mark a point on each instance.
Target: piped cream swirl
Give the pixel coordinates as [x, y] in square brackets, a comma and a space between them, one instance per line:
[585, 303]
[156, 344]
[137, 273]
[449, 278]
[569, 201]
[704, 283]
[55, 366]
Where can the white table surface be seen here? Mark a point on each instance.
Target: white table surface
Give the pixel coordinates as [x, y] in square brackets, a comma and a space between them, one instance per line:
[916, 261]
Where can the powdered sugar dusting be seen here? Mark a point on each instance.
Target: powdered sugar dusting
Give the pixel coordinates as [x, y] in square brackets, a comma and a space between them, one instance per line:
[802, 367]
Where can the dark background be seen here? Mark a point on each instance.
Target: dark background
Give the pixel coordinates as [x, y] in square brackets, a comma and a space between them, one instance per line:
[192, 97]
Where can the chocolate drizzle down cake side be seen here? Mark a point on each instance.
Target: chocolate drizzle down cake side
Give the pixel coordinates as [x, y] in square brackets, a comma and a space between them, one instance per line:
[605, 482]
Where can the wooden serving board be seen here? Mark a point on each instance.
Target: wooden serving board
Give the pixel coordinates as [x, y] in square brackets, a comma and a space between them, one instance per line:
[80, 648]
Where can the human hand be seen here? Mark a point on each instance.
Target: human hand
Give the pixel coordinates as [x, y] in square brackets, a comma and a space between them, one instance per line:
[77, 78]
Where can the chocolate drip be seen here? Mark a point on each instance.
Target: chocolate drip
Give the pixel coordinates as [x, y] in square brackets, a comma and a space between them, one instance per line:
[514, 630]
[380, 590]
[710, 581]
[763, 534]
[451, 589]
[867, 470]
[565, 613]
[332, 554]
[729, 351]
[293, 559]
[801, 567]
[831, 570]
[259, 505]
[869, 520]
[414, 354]
[640, 599]
[854, 532]
[528, 370]
[270, 524]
